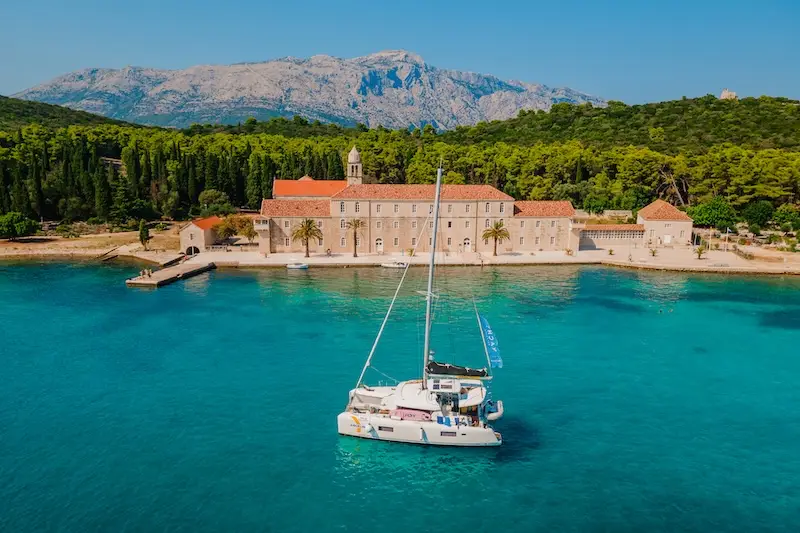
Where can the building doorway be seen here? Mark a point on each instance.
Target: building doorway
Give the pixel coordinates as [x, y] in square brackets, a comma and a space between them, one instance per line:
[379, 245]
[192, 250]
[467, 245]
[667, 239]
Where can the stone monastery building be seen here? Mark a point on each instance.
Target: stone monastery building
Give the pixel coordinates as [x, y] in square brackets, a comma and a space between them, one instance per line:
[399, 217]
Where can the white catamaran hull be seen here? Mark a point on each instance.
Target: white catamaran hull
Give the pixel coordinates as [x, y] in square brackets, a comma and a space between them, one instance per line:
[369, 426]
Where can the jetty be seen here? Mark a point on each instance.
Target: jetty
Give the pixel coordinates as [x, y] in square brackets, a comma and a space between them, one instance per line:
[165, 276]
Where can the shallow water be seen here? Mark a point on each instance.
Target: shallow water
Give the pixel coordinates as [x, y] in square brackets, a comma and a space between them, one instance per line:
[634, 402]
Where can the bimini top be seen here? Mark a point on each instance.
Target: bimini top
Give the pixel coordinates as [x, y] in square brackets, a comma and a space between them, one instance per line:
[444, 369]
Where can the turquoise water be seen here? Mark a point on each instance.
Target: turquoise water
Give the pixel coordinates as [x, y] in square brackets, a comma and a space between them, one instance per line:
[634, 402]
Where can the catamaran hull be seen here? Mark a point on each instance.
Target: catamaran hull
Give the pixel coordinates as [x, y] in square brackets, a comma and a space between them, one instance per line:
[366, 426]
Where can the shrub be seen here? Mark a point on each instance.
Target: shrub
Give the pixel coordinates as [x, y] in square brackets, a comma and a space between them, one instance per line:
[653, 252]
[610, 251]
[758, 213]
[755, 229]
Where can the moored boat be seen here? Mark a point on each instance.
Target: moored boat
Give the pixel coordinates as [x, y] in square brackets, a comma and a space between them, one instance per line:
[394, 264]
[450, 405]
[297, 266]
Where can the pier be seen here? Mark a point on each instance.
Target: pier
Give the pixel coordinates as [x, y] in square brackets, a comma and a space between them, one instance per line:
[165, 276]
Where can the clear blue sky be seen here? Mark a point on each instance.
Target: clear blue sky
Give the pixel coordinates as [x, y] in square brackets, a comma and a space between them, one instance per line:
[635, 51]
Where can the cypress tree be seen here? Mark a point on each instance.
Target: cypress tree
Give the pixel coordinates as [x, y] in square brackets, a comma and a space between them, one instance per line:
[36, 185]
[147, 174]
[253, 186]
[102, 193]
[212, 171]
[20, 201]
[192, 187]
[5, 195]
[267, 175]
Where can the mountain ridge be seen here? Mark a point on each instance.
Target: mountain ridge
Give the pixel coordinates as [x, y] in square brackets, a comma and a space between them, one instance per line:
[391, 88]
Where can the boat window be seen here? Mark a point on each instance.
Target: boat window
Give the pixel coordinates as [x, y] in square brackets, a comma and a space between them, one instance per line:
[449, 433]
[385, 428]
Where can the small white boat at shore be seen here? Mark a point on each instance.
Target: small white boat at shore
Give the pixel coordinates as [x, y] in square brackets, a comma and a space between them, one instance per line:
[297, 266]
[394, 264]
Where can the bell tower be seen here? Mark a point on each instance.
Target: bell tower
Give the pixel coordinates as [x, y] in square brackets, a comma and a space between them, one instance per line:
[354, 169]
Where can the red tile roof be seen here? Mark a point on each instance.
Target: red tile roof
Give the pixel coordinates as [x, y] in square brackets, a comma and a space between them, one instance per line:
[306, 186]
[421, 192]
[613, 227]
[661, 210]
[207, 223]
[542, 208]
[295, 208]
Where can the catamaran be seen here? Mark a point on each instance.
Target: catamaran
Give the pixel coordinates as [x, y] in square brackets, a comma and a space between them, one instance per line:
[449, 406]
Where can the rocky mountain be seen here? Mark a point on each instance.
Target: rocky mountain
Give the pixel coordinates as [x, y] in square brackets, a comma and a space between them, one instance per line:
[395, 89]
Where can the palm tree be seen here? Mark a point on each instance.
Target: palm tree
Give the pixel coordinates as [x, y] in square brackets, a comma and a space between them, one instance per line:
[700, 250]
[305, 231]
[356, 225]
[497, 231]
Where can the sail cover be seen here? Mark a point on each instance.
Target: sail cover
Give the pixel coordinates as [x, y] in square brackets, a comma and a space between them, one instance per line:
[490, 341]
[444, 369]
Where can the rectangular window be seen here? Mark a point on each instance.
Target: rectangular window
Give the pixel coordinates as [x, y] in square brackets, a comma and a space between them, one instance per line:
[191, 236]
[342, 242]
[538, 222]
[521, 223]
[449, 223]
[466, 224]
[488, 207]
[537, 241]
[341, 207]
[485, 241]
[552, 240]
[502, 208]
[449, 208]
[286, 242]
[430, 224]
[320, 242]
[413, 224]
[466, 208]
[358, 241]
[413, 241]
[683, 233]
[499, 241]
[396, 208]
[342, 224]
[358, 207]
[667, 225]
[449, 241]
[396, 224]
[430, 241]
[449, 433]
[486, 224]
[378, 208]
[430, 209]
[521, 241]
[319, 223]
[652, 233]
[552, 223]
[413, 208]
[396, 241]
[378, 224]
[385, 428]
[285, 223]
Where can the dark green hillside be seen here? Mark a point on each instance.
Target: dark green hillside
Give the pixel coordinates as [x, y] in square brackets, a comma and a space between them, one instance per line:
[690, 124]
[16, 113]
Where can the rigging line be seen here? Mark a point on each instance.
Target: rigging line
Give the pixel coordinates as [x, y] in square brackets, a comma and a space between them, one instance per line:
[386, 318]
[385, 375]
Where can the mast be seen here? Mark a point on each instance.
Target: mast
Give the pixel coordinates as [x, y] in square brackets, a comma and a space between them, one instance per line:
[429, 296]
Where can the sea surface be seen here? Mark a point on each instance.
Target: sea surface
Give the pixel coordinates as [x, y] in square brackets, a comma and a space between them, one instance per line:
[635, 402]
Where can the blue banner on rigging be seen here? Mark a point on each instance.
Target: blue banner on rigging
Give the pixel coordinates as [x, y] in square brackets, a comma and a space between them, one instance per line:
[490, 341]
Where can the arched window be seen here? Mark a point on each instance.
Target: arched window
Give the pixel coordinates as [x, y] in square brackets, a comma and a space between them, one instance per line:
[487, 207]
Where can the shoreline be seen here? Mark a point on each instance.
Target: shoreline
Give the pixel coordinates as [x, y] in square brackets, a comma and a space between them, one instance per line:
[98, 257]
